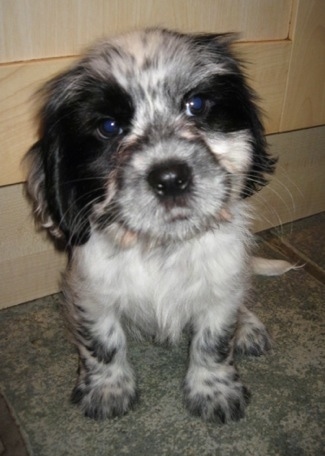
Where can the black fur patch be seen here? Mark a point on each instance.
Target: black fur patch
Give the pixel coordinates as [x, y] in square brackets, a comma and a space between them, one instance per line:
[216, 347]
[76, 160]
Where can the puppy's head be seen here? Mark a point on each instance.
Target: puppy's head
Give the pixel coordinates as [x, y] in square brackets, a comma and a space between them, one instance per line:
[153, 132]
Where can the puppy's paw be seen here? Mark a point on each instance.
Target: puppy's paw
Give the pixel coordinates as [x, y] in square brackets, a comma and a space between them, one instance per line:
[214, 396]
[252, 338]
[253, 341]
[105, 399]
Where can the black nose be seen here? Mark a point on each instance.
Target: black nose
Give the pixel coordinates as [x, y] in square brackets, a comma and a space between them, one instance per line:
[170, 179]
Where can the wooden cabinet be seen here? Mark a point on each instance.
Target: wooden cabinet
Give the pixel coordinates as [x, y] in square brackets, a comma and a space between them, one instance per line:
[282, 41]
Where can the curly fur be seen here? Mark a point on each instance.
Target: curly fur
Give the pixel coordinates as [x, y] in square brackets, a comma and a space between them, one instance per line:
[149, 146]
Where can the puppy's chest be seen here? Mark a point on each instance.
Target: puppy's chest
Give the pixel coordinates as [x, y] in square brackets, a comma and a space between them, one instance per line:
[177, 273]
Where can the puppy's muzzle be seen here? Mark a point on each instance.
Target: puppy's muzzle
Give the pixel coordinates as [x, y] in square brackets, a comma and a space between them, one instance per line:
[170, 179]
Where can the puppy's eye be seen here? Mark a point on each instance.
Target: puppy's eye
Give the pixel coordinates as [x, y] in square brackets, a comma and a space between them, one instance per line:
[195, 106]
[108, 128]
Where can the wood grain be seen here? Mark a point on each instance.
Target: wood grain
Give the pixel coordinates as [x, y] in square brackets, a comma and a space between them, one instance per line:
[35, 29]
[18, 83]
[297, 189]
[29, 265]
[304, 104]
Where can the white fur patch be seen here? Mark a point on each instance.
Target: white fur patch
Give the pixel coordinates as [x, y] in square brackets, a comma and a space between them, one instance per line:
[234, 150]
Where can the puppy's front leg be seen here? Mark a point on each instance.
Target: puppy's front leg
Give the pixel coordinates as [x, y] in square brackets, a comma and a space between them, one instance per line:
[212, 386]
[106, 385]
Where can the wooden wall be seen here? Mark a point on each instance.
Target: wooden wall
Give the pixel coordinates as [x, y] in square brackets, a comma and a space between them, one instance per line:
[283, 42]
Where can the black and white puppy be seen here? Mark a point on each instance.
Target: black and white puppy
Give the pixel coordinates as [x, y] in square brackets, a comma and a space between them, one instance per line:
[149, 146]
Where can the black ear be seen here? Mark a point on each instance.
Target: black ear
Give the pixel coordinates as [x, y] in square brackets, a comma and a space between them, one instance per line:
[53, 196]
[262, 162]
[63, 197]
[218, 47]
[53, 183]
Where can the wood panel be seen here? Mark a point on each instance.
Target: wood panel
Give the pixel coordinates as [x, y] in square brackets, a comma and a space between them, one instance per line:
[29, 266]
[304, 104]
[297, 189]
[34, 29]
[267, 69]
[18, 83]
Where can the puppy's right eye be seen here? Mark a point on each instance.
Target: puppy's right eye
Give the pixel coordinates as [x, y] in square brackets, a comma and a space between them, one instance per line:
[108, 128]
[195, 106]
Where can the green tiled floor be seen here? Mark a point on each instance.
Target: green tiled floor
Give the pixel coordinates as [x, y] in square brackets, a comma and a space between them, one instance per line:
[287, 411]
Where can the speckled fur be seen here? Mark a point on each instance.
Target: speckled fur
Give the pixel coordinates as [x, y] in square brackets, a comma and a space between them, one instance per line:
[156, 262]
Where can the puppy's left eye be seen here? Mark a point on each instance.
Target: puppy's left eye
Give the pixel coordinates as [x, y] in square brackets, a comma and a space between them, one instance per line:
[109, 127]
[195, 106]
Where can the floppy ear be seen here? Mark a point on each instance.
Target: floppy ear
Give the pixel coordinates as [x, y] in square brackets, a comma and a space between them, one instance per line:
[262, 162]
[50, 184]
[219, 48]
[54, 203]
[35, 186]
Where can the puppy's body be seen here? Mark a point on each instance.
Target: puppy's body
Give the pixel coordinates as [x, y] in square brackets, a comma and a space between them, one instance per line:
[148, 147]
[199, 283]
[163, 289]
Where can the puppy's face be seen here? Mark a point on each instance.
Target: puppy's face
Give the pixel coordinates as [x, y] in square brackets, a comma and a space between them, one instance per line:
[153, 132]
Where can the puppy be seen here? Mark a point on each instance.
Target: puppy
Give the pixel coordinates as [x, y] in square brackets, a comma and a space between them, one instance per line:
[149, 147]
